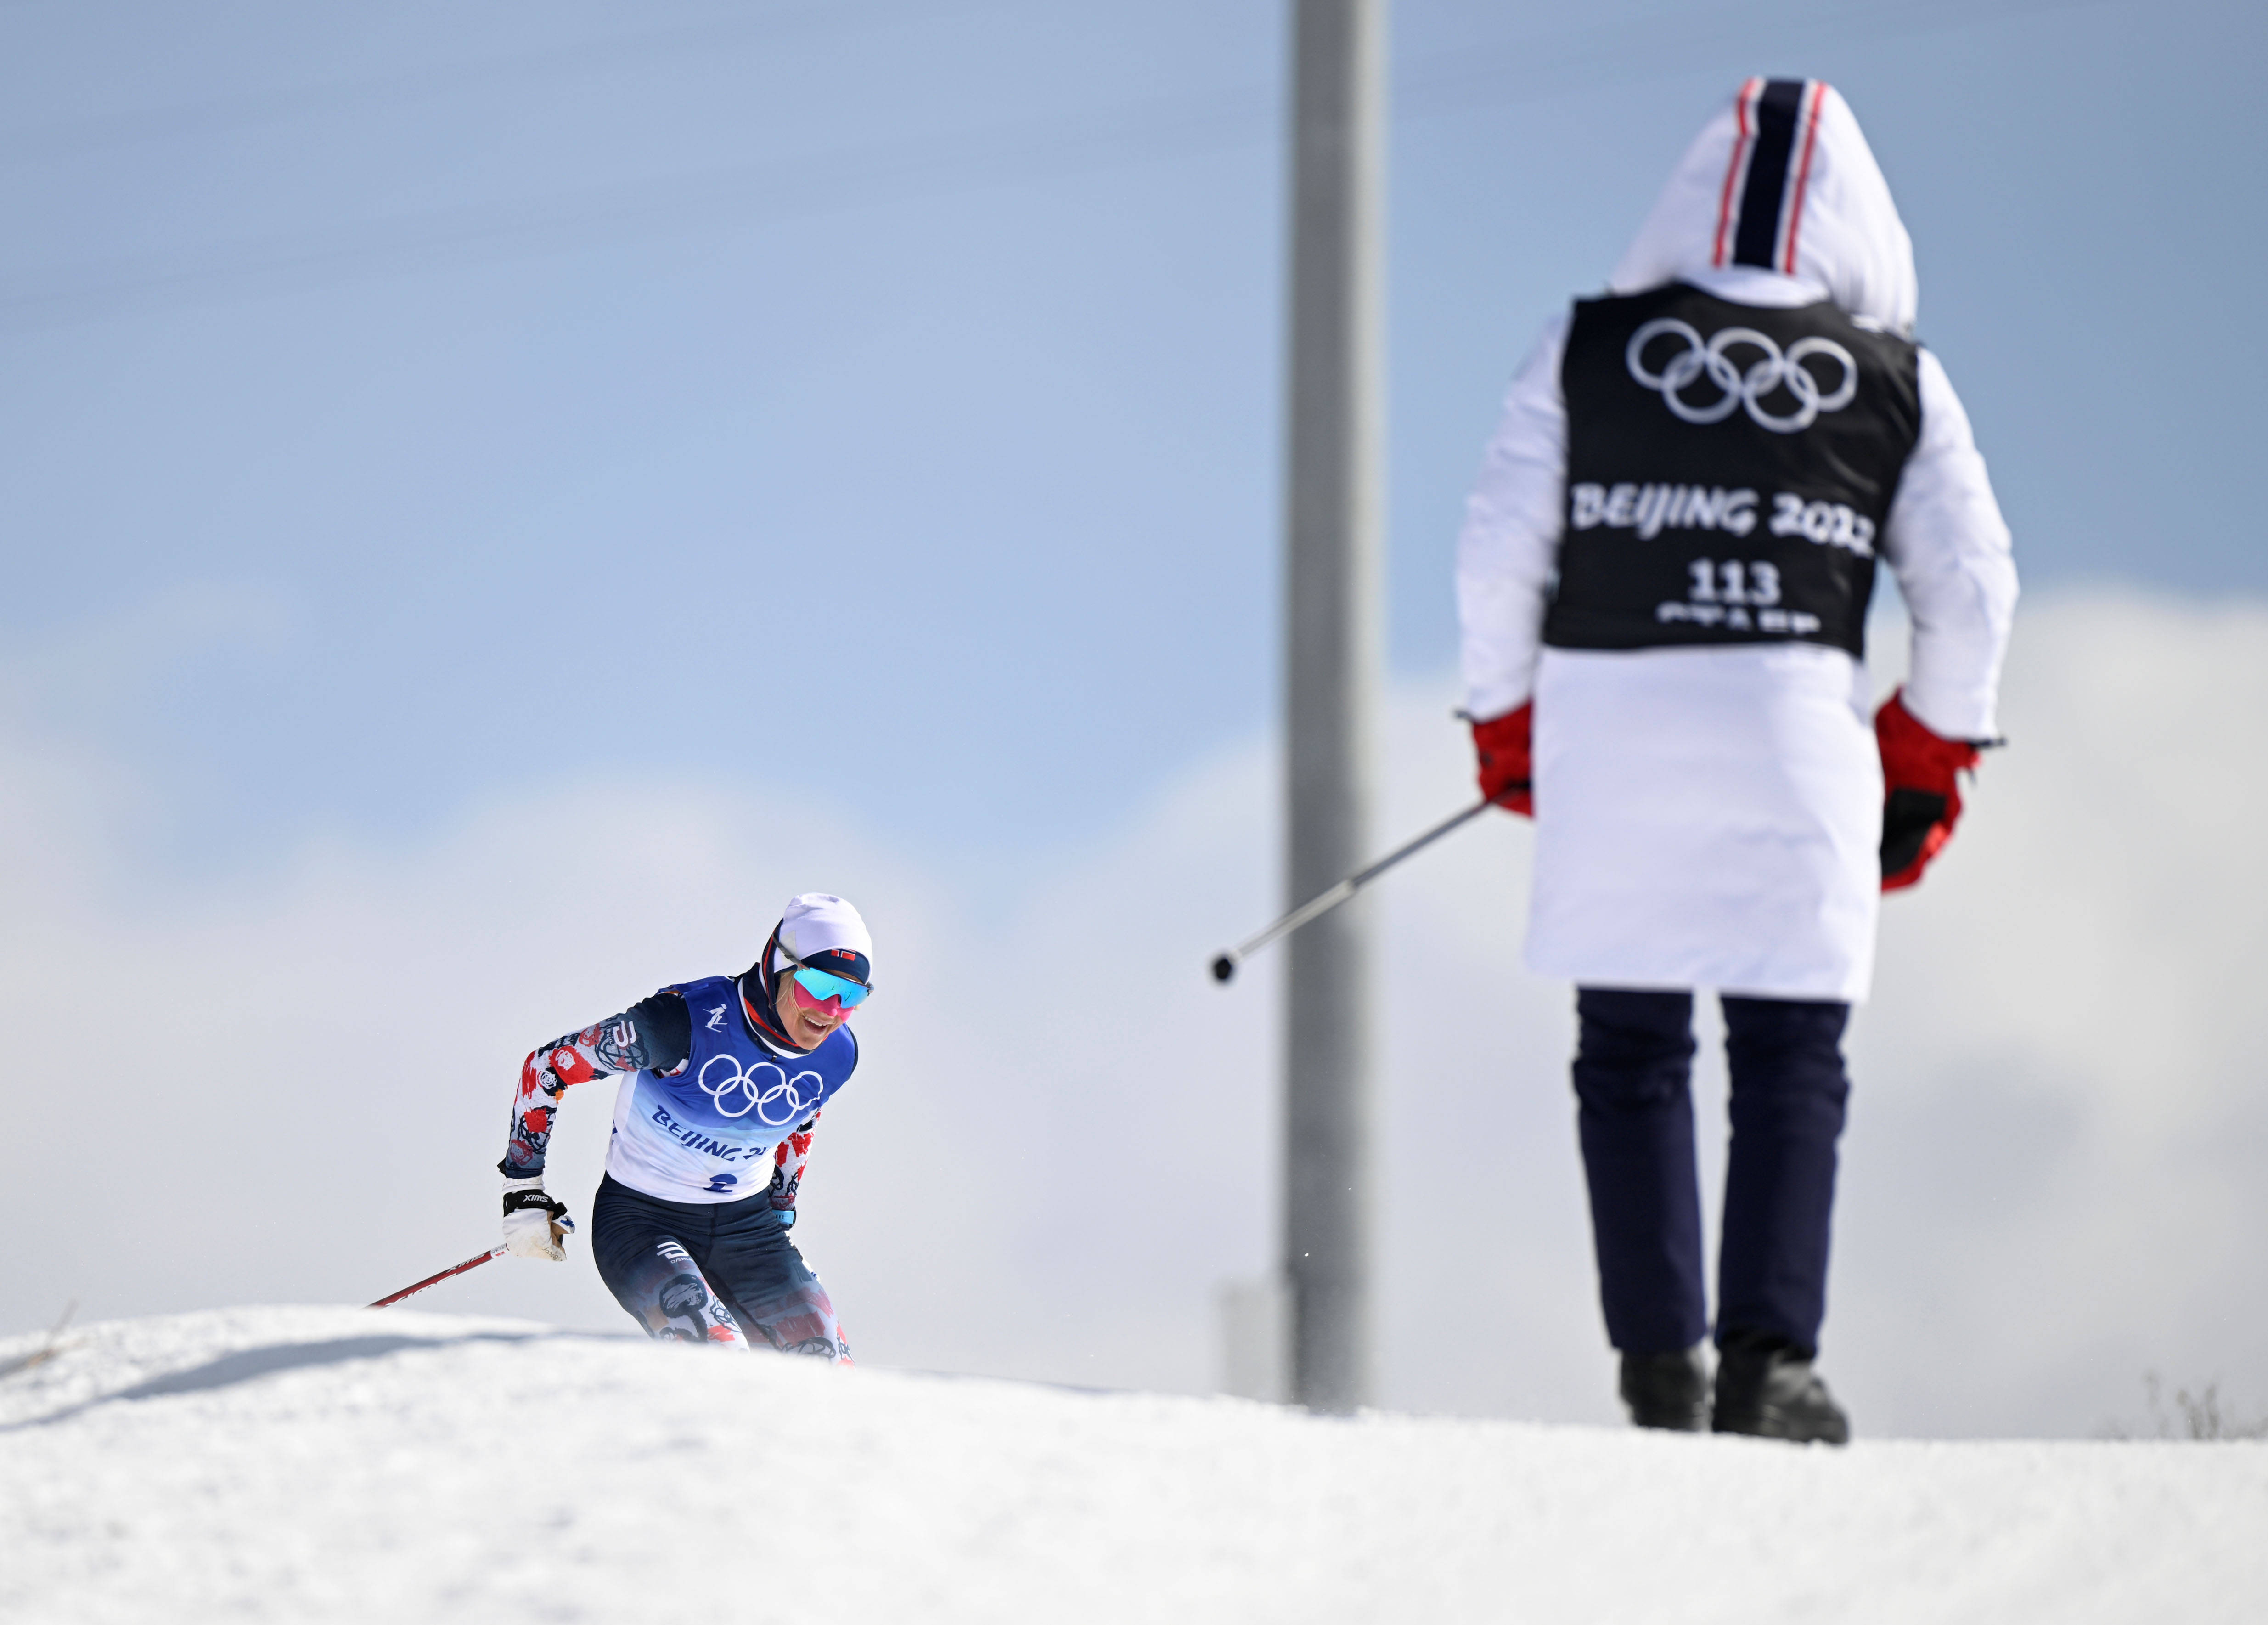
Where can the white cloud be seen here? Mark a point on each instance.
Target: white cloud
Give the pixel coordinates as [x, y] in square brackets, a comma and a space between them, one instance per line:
[291, 1085]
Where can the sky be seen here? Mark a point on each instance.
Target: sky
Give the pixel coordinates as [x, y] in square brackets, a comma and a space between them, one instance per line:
[493, 502]
[295, 1090]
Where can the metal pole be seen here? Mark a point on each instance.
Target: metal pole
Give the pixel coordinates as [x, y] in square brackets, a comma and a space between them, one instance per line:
[1334, 641]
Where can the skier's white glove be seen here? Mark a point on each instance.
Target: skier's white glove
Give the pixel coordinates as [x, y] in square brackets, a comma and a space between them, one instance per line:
[535, 1226]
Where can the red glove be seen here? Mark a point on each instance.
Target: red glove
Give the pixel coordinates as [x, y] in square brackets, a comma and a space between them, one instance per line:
[1921, 799]
[1501, 743]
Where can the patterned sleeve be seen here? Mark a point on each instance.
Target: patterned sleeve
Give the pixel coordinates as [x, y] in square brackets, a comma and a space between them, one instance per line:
[656, 1033]
[791, 1156]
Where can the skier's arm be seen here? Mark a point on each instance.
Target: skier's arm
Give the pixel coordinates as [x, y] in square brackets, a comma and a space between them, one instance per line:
[789, 1158]
[656, 1032]
[1949, 546]
[1509, 547]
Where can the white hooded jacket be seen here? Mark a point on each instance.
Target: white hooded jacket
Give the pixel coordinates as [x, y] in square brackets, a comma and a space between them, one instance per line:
[1710, 816]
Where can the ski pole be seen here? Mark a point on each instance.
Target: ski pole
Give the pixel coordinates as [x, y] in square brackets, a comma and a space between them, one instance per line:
[474, 1262]
[1224, 964]
[45, 1351]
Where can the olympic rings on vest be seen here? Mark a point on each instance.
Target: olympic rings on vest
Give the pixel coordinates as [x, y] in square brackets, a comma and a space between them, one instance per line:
[783, 1097]
[1749, 388]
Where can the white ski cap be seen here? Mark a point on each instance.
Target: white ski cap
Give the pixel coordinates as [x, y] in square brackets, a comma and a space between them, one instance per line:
[817, 925]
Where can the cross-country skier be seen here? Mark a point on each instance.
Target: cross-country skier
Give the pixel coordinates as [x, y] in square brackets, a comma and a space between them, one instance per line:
[1663, 579]
[713, 1123]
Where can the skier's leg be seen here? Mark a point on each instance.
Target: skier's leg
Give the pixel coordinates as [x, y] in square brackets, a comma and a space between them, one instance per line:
[636, 1242]
[1788, 1103]
[1788, 1094]
[769, 1287]
[1632, 1070]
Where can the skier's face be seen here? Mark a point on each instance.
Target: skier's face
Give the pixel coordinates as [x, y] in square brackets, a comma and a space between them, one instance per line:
[804, 1018]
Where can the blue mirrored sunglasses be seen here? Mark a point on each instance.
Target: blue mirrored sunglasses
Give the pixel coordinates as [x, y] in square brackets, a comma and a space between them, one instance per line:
[824, 984]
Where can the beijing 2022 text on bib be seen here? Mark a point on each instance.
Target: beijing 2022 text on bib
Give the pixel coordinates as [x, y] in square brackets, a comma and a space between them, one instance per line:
[1729, 471]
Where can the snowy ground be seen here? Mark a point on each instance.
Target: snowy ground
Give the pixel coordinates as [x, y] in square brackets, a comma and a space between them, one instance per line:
[333, 1464]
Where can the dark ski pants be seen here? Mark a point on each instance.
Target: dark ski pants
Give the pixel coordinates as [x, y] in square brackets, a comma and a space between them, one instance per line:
[1633, 1065]
[701, 1272]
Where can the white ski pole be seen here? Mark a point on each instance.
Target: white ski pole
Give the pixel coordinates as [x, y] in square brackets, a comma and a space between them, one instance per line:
[1224, 964]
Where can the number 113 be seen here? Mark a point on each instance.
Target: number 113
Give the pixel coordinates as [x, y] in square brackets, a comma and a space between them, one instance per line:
[1756, 582]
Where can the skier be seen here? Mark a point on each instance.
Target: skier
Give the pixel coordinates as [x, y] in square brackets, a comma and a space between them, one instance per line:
[724, 1080]
[1663, 579]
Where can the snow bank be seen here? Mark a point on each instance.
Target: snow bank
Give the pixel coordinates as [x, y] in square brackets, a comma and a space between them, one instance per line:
[333, 1464]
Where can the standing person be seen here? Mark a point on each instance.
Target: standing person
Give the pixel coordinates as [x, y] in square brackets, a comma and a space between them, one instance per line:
[724, 1080]
[1663, 579]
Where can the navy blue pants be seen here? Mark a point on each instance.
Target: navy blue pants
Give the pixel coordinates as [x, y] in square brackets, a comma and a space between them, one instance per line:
[1633, 1068]
[711, 1272]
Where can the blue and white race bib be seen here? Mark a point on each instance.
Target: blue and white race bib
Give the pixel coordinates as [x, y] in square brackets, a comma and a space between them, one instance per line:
[705, 1132]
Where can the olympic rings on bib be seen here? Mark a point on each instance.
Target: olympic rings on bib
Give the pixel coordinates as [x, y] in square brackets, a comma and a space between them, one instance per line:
[1735, 387]
[776, 1104]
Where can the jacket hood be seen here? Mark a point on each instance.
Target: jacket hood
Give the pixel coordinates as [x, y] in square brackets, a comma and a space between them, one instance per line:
[1782, 181]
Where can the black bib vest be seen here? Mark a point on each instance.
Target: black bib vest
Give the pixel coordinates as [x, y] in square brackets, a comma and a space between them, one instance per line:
[1730, 469]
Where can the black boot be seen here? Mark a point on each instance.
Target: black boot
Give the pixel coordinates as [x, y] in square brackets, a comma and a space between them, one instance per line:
[1765, 1386]
[1667, 1390]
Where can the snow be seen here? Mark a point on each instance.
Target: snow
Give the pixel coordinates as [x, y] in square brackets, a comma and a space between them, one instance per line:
[347, 1464]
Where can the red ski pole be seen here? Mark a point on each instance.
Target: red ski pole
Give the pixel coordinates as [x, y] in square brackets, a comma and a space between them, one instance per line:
[474, 1262]
[562, 1227]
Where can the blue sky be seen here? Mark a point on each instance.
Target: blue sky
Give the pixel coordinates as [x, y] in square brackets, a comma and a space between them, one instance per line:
[881, 401]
